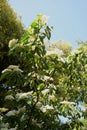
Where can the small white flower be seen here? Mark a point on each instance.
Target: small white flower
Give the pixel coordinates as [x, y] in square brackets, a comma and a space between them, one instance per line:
[11, 113]
[52, 98]
[12, 42]
[33, 48]
[78, 88]
[14, 67]
[32, 38]
[39, 104]
[48, 78]
[46, 91]
[45, 19]
[22, 118]
[45, 108]
[49, 107]
[30, 30]
[63, 60]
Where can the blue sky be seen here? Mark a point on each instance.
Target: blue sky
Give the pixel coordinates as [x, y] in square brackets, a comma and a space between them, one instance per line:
[68, 17]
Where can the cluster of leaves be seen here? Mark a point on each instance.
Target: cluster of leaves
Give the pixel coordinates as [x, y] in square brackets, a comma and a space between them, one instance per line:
[40, 88]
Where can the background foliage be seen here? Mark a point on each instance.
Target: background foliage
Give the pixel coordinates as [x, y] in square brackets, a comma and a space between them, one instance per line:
[10, 27]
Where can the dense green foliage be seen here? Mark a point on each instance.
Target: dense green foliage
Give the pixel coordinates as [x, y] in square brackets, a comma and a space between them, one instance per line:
[40, 88]
[10, 24]
[10, 27]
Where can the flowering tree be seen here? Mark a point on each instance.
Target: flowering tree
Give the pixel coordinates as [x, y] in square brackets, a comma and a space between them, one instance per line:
[41, 88]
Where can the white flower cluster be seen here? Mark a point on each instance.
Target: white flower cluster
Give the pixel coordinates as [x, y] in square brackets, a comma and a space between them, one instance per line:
[39, 104]
[48, 78]
[12, 67]
[9, 97]
[12, 43]
[24, 95]
[68, 103]
[6, 70]
[3, 109]
[11, 113]
[14, 112]
[45, 108]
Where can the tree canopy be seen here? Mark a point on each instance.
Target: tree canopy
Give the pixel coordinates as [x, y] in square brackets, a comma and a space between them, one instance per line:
[10, 24]
[10, 27]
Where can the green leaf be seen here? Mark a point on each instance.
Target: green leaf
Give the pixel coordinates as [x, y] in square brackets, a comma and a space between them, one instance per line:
[48, 33]
[34, 24]
[40, 86]
[24, 38]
